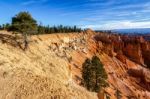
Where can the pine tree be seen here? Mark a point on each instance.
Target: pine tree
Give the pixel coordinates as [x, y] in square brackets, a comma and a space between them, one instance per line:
[93, 74]
[24, 24]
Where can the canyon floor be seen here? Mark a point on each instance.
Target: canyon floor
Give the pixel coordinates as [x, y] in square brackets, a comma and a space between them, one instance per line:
[51, 67]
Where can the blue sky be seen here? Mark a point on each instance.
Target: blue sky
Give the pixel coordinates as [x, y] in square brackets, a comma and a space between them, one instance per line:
[95, 14]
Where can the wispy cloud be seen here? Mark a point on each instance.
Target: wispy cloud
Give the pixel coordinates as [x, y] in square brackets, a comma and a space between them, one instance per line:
[119, 25]
[120, 15]
[30, 2]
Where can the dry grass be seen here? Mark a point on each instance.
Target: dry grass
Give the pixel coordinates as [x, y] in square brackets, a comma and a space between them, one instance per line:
[36, 74]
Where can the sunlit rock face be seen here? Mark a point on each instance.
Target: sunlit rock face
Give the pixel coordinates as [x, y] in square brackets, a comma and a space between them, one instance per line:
[136, 48]
[125, 58]
[143, 75]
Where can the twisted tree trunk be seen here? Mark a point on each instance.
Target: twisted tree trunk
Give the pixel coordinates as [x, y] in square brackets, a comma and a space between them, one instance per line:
[26, 43]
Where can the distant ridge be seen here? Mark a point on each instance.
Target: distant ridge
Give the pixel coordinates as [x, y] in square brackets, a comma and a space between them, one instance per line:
[134, 30]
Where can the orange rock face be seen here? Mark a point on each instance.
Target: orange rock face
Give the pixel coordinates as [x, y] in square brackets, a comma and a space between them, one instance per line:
[136, 48]
[119, 54]
[131, 51]
[143, 75]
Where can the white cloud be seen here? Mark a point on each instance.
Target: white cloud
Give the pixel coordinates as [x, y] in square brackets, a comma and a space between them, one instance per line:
[120, 25]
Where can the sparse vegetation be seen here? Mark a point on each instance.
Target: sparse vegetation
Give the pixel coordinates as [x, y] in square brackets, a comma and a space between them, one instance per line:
[57, 29]
[94, 75]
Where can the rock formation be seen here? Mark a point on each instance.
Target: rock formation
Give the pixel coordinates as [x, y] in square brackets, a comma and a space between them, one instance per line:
[136, 48]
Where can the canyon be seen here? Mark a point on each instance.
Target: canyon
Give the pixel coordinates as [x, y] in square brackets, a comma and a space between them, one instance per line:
[51, 67]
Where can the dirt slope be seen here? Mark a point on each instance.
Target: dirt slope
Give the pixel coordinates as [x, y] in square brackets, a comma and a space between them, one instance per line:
[38, 73]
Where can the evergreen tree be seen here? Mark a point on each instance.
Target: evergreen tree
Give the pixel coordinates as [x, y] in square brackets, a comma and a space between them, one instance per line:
[41, 30]
[24, 24]
[93, 74]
